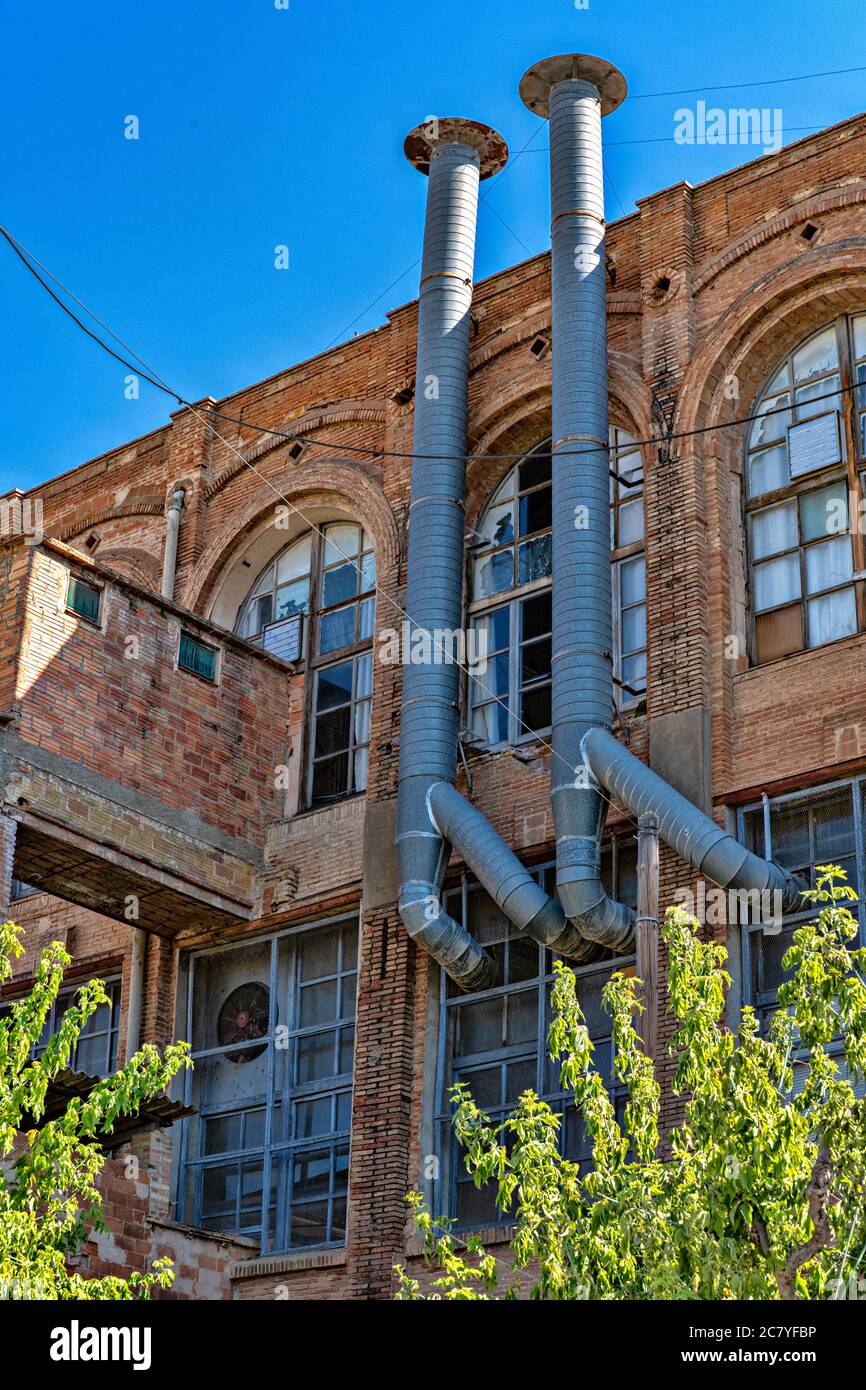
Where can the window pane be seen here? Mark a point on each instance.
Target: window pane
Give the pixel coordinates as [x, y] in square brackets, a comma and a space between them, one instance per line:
[480, 1026]
[534, 470]
[779, 633]
[858, 327]
[523, 960]
[634, 671]
[490, 723]
[776, 582]
[535, 661]
[494, 573]
[330, 779]
[522, 1017]
[535, 616]
[535, 709]
[629, 469]
[266, 581]
[630, 522]
[222, 1134]
[317, 953]
[360, 766]
[83, 598]
[493, 680]
[535, 512]
[365, 627]
[362, 722]
[632, 580]
[497, 524]
[315, 1056]
[334, 686]
[828, 563]
[293, 598]
[313, 1117]
[318, 1004]
[342, 541]
[337, 629]
[534, 559]
[368, 573]
[768, 470]
[816, 356]
[294, 562]
[634, 628]
[813, 399]
[485, 1086]
[364, 675]
[825, 512]
[519, 1077]
[831, 617]
[773, 422]
[493, 631]
[332, 731]
[774, 530]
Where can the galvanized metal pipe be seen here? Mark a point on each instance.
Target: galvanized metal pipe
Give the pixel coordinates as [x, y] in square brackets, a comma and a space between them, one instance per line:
[569, 90]
[456, 154]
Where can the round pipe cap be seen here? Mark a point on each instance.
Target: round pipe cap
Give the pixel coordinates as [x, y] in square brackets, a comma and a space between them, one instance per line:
[537, 82]
[452, 130]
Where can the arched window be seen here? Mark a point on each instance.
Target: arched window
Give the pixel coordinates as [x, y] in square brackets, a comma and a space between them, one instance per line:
[803, 456]
[325, 582]
[510, 600]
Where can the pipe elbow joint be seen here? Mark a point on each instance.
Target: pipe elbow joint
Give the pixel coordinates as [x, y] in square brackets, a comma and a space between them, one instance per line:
[428, 924]
[593, 914]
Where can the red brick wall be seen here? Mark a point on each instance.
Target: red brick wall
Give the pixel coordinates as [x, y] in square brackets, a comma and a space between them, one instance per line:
[744, 288]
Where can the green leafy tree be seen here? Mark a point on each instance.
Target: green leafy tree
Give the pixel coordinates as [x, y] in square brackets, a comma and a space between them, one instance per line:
[761, 1191]
[49, 1200]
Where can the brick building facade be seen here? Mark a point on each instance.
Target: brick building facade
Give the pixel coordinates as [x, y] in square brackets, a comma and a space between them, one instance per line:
[160, 771]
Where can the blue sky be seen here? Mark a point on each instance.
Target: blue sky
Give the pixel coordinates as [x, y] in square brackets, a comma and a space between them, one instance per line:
[262, 127]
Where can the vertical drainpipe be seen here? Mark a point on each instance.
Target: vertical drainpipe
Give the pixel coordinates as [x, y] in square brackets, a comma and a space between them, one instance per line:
[139, 937]
[455, 154]
[172, 531]
[574, 91]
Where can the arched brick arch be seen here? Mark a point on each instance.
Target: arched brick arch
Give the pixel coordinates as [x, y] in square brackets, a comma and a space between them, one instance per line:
[521, 420]
[324, 483]
[764, 324]
[134, 564]
[752, 337]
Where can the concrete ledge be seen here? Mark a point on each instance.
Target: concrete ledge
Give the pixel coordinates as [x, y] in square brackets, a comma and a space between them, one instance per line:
[287, 1264]
[489, 1235]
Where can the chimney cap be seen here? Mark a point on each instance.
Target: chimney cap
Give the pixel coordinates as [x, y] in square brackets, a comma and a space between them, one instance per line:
[537, 82]
[453, 130]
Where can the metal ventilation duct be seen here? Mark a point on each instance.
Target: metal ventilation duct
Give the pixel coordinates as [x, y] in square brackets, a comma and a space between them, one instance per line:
[574, 91]
[455, 154]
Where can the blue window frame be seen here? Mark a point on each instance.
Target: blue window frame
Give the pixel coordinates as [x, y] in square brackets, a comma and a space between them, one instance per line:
[96, 1053]
[801, 830]
[272, 1025]
[496, 1039]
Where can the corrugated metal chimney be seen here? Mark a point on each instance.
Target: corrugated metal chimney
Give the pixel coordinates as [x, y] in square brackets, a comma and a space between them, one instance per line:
[574, 91]
[455, 154]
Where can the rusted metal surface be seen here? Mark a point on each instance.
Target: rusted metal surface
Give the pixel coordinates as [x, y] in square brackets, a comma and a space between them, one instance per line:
[452, 130]
[77, 1085]
[537, 81]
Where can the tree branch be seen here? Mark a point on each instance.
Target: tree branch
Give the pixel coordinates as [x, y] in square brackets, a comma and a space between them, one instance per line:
[820, 1199]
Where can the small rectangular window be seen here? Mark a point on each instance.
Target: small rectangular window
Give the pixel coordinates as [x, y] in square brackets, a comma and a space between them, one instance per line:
[83, 598]
[198, 657]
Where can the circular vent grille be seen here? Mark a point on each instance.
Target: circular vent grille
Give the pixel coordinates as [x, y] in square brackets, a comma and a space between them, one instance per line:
[242, 1018]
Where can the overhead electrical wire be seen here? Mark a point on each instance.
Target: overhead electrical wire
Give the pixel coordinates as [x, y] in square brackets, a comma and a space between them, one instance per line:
[340, 446]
